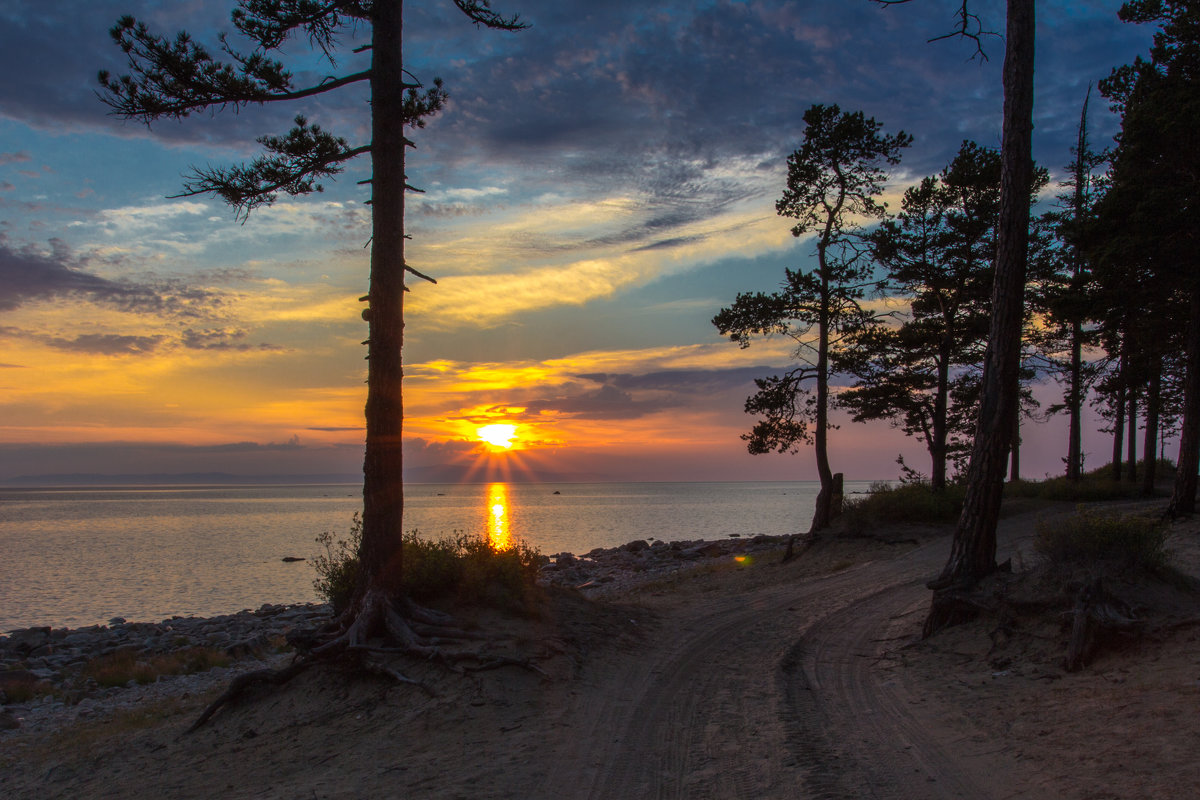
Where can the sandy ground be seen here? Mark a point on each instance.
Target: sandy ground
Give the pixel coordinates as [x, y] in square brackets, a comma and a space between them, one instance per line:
[748, 679]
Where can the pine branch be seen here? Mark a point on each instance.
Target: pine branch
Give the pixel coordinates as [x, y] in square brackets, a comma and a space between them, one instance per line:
[480, 12]
[295, 162]
[271, 22]
[174, 78]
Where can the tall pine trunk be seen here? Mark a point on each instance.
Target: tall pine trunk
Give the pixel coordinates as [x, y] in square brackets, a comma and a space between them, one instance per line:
[381, 553]
[941, 404]
[973, 552]
[1131, 408]
[823, 513]
[1119, 414]
[1183, 498]
[1075, 403]
[1153, 403]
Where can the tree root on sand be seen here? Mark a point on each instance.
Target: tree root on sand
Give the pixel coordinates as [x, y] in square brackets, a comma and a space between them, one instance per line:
[379, 626]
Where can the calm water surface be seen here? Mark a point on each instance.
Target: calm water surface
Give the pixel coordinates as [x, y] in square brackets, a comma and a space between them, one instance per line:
[81, 556]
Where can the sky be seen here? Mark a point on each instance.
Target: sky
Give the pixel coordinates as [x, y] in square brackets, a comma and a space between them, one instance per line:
[597, 188]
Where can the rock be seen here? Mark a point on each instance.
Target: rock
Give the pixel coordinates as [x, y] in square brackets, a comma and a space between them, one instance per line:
[8, 722]
[292, 559]
[636, 546]
[116, 621]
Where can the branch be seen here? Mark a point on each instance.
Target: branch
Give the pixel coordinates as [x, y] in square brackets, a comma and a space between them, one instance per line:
[271, 22]
[970, 26]
[480, 12]
[176, 78]
[297, 159]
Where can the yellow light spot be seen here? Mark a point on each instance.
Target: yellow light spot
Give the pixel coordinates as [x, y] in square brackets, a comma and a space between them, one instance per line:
[498, 435]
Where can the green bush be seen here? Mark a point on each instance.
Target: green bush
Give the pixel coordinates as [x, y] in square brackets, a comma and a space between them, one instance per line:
[461, 567]
[337, 567]
[908, 502]
[1089, 538]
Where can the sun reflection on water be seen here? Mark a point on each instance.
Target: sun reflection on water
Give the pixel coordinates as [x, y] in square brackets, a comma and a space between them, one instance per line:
[499, 533]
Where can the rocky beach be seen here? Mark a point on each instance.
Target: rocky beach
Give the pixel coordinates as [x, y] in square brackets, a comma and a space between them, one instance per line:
[674, 669]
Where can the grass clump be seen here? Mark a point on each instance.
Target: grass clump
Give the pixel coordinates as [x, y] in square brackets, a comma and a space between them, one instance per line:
[464, 568]
[914, 502]
[123, 666]
[23, 687]
[1088, 538]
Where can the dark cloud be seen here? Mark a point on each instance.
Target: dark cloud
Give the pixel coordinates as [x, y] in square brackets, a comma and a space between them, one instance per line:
[14, 158]
[28, 274]
[106, 344]
[222, 339]
[630, 396]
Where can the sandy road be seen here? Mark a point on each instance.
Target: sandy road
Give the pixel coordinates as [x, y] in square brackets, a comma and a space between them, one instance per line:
[781, 691]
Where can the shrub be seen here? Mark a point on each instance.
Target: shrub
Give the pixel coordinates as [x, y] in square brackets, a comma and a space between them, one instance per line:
[461, 567]
[1088, 538]
[337, 567]
[908, 502]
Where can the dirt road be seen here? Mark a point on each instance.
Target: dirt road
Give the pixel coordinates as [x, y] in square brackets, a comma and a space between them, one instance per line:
[778, 692]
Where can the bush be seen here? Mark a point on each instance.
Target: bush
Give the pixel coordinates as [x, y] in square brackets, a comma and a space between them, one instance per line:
[462, 567]
[337, 567]
[1089, 538]
[908, 502]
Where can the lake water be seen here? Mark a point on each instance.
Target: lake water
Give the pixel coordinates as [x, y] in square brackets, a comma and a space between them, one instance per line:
[81, 556]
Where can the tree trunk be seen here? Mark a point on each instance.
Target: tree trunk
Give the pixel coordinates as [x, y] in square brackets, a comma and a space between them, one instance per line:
[973, 552]
[380, 554]
[1150, 439]
[823, 513]
[1075, 404]
[1131, 430]
[1014, 452]
[1183, 499]
[941, 404]
[1119, 419]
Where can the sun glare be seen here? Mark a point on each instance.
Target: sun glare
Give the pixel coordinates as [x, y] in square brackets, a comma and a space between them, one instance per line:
[498, 435]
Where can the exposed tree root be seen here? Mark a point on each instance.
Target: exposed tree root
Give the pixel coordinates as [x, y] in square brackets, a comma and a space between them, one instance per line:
[375, 626]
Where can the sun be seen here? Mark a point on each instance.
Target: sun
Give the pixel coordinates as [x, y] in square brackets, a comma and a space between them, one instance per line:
[500, 436]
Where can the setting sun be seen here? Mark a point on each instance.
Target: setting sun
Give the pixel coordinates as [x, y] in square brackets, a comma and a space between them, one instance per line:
[498, 435]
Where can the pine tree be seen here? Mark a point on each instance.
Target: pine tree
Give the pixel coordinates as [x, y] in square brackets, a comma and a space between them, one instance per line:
[833, 182]
[175, 78]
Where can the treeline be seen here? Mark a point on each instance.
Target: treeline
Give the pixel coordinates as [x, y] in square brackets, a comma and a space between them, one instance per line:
[1112, 291]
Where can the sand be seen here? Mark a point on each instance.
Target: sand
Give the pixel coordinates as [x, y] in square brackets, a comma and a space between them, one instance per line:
[748, 679]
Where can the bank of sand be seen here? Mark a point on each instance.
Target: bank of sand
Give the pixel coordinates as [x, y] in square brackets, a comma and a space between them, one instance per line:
[748, 679]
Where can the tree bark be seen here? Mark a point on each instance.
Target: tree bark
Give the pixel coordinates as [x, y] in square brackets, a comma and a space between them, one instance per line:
[381, 553]
[1119, 418]
[823, 513]
[1150, 439]
[973, 552]
[1183, 498]
[941, 404]
[1131, 406]
[1014, 451]
[1075, 401]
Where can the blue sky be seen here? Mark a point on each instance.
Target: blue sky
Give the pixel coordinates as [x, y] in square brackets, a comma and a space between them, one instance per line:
[598, 187]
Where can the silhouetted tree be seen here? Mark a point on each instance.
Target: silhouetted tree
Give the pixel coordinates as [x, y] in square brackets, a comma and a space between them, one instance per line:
[938, 252]
[1068, 294]
[973, 551]
[833, 182]
[1153, 199]
[174, 78]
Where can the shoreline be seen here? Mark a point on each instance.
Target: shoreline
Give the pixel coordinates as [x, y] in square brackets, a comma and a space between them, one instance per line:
[50, 660]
